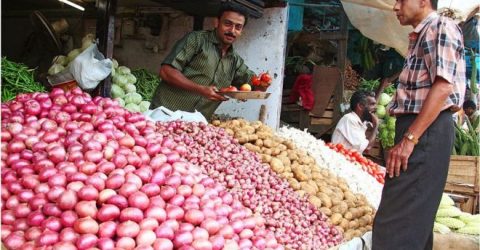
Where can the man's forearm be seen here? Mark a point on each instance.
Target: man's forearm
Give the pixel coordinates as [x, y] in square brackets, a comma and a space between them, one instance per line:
[432, 107]
[175, 78]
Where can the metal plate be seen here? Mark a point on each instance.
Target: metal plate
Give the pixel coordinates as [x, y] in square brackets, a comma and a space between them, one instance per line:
[245, 95]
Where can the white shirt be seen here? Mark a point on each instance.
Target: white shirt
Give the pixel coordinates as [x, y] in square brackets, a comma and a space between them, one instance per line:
[350, 132]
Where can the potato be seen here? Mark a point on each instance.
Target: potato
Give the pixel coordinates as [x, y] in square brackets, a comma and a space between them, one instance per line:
[353, 224]
[350, 203]
[336, 218]
[344, 224]
[268, 143]
[266, 158]
[326, 201]
[259, 142]
[349, 196]
[368, 228]
[325, 211]
[315, 201]
[356, 213]
[299, 174]
[357, 233]
[340, 229]
[289, 144]
[286, 162]
[276, 151]
[348, 235]
[307, 188]
[281, 147]
[341, 208]
[348, 216]
[335, 200]
[267, 151]
[300, 192]
[263, 135]
[277, 165]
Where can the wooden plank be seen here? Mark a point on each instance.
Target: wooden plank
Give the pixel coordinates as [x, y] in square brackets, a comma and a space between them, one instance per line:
[325, 80]
[463, 174]
[320, 121]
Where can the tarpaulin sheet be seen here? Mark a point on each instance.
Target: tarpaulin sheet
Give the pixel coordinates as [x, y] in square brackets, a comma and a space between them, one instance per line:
[376, 19]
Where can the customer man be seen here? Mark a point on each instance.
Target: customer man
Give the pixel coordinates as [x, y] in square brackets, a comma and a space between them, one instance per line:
[432, 83]
[351, 130]
[201, 63]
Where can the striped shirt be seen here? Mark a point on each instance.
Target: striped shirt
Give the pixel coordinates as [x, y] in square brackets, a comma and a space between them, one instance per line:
[435, 49]
[198, 56]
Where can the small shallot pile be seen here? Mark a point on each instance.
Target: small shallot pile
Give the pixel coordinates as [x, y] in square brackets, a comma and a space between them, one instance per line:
[296, 223]
[83, 173]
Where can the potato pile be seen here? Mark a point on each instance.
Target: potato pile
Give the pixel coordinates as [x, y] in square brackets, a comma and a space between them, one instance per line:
[348, 211]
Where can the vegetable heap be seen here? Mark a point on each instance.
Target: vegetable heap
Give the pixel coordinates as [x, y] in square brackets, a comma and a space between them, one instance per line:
[81, 173]
[147, 83]
[349, 212]
[366, 164]
[386, 128]
[124, 90]
[450, 218]
[60, 62]
[467, 140]
[17, 78]
[358, 181]
[297, 224]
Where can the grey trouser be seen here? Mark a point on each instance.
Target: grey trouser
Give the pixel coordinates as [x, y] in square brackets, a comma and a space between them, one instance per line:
[404, 220]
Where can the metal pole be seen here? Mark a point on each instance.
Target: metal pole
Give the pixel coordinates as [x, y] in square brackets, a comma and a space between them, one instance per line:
[105, 32]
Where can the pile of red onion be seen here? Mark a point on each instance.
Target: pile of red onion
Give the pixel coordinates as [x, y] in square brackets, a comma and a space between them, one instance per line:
[297, 224]
[83, 173]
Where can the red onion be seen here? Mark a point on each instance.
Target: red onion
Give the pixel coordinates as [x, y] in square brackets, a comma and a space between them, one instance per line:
[183, 238]
[86, 226]
[14, 241]
[131, 214]
[145, 237]
[67, 200]
[128, 229]
[86, 241]
[86, 209]
[163, 244]
[107, 229]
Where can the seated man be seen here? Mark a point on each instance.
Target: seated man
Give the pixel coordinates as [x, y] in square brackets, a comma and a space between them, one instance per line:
[351, 130]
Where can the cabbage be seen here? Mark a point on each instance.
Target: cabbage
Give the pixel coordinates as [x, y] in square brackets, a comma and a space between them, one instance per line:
[381, 111]
[132, 107]
[123, 70]
[144, 106]
[384, 99]
[72, 54]
[131, 78]
[391, 123]
[135, 98]
[62, 60]
[113, 71]
[117, 91]
[114, 63]
[120, 80]
[120, 101]
[55, 68]
[130, 88]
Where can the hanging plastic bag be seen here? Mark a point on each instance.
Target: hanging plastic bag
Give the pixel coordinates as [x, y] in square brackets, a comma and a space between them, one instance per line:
[90, 67]
[162, 114]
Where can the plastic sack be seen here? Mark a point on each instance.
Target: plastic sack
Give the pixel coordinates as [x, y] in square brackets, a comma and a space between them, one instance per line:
[162, 114]
[90, 67]
[357, 243]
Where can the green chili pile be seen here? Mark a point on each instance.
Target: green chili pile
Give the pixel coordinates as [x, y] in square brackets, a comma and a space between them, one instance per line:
[146, 84]
[17, 78]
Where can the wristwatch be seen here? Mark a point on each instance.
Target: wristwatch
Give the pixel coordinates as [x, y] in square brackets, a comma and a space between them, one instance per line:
[411, 137]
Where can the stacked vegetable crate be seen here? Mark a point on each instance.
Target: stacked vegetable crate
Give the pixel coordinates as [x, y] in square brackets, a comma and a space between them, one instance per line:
[464, 180]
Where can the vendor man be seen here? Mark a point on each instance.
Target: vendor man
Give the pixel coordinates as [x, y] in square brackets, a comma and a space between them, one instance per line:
[201, 63]
[357, 129]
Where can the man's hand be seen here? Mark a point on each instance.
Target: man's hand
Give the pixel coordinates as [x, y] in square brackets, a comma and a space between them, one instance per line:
[210, 92]
[398, 157]
[374, 120]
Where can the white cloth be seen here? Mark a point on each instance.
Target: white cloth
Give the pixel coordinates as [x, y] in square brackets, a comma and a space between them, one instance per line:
[350, 132]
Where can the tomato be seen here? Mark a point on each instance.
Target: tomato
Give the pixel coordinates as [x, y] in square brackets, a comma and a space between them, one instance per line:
[266, 78]
[256, 81]
[339, 146]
